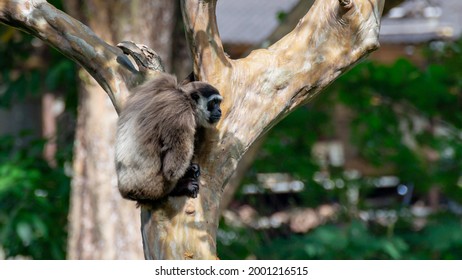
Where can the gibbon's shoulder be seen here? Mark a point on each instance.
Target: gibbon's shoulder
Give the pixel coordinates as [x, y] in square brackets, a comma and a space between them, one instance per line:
[160, 102]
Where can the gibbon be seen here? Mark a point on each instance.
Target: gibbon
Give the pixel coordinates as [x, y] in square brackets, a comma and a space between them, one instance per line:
[155, 137]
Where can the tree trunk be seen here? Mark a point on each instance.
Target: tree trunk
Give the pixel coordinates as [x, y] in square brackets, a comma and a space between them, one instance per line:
[258, 91]
[102, 224]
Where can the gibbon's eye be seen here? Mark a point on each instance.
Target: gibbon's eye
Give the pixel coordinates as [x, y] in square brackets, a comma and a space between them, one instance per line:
[212, 104]
[195, 96]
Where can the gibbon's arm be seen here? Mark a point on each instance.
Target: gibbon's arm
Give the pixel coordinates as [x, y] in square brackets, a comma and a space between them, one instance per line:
[179, 148]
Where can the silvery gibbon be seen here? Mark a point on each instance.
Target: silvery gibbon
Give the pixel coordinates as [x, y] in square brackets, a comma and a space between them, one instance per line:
[156, 134]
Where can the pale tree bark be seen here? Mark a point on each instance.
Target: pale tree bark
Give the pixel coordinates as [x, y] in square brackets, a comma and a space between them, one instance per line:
[258, 91]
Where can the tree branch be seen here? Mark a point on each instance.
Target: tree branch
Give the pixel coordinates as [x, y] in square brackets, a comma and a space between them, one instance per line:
[201, 27]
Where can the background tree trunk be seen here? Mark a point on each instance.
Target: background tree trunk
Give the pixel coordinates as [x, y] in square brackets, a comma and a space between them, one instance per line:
[101, 224]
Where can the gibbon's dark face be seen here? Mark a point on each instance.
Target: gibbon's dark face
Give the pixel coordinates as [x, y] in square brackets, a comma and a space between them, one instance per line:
[208, 103]
[213, 106]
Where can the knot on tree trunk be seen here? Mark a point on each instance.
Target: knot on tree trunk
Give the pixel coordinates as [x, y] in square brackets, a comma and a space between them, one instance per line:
[145, 58]
[347, 4]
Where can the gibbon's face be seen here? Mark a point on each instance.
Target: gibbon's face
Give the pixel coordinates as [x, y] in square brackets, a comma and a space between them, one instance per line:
[213, 106]
[208, 105]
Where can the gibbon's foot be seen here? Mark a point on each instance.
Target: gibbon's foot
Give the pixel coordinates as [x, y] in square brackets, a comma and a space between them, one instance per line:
[186, 186]
[193, 171]
[193, 188]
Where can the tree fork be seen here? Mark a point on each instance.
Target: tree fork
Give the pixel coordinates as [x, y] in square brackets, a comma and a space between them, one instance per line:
[258, 91]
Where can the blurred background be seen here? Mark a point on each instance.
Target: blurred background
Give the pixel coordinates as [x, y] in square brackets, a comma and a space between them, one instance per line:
[371, 169]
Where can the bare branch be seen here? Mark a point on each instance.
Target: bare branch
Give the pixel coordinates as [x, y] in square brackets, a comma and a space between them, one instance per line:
[199, 17]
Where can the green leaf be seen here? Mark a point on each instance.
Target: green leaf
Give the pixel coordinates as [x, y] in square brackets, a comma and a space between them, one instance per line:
[24, 232]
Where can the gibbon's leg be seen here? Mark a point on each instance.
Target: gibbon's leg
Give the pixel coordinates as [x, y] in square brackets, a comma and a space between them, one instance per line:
[141, 183]
[188, 185]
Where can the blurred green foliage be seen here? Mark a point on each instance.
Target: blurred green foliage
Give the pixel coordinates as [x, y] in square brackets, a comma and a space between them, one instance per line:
[441, 239]
[32, 68]
[34, 201]
[406, 120]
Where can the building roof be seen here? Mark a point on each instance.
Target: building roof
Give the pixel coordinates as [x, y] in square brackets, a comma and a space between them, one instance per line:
[414, 21]
[418, 21]
[249, 21]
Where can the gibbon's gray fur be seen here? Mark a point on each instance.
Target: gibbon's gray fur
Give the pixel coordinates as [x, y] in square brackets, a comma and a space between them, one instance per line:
[155, 137]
